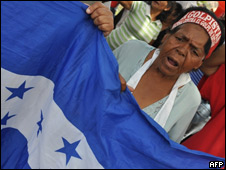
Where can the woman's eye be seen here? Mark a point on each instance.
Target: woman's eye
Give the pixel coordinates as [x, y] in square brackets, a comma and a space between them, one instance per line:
[195, 52]
[179, 39]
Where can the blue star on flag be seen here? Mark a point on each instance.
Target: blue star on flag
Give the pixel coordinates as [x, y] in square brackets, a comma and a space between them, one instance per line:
[18, 92]
[69, 150]
[6, 118]
[40, 124]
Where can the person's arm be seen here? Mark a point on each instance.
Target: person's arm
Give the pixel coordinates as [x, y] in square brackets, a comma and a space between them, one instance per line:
[102, 17]
[126, 4]
[182, 113]
[211, 64]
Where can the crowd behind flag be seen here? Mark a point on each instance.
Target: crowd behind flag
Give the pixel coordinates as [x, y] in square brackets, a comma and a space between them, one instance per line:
[61, 105]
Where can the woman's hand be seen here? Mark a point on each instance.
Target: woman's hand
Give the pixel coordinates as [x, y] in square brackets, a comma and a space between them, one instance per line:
[102, 17]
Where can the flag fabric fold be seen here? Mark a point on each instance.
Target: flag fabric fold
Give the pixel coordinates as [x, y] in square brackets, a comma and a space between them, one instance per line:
[61, 105]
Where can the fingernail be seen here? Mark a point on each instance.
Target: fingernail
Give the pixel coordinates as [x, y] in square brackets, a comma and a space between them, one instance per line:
[88, 11]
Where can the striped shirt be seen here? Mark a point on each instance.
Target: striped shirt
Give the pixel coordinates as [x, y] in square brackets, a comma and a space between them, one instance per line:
[196, 76]
[137, 25]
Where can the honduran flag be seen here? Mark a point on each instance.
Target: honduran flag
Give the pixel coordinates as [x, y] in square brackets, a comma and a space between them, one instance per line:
[61, 105]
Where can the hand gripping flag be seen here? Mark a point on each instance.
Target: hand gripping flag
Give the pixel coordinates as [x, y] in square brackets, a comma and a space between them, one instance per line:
[61, 105]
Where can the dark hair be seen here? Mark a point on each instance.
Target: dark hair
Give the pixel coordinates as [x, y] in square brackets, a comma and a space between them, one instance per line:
[176, 10]
[208, 44]
[164, 14]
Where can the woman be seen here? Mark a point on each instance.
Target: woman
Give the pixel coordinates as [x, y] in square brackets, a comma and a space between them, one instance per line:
[143, 22]
[160, 79]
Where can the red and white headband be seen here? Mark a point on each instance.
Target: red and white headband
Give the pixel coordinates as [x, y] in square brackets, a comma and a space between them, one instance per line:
[207, 22]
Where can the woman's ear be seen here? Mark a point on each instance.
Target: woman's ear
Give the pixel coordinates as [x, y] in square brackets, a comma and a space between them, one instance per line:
[167, 9]
[198, 66]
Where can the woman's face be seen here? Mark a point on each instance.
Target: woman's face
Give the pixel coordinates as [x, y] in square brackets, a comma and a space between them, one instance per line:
[182, 51]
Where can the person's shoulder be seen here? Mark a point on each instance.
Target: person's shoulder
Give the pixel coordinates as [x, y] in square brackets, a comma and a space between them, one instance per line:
[138, 44]
[134, 49]
[192, 92]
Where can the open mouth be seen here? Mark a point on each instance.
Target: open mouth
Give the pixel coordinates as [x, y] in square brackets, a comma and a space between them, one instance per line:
[173, 62]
